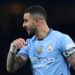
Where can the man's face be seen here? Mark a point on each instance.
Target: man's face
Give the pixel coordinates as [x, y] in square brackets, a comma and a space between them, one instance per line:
[29, 24]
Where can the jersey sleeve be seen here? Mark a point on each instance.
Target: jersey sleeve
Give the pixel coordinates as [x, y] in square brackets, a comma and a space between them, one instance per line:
[67, 45]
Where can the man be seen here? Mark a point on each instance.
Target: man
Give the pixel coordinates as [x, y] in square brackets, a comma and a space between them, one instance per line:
[51, 52]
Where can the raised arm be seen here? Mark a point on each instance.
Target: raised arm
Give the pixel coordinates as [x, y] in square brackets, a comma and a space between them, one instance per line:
[14, 62]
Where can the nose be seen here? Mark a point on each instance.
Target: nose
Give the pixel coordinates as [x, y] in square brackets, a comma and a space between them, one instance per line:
[24, 25]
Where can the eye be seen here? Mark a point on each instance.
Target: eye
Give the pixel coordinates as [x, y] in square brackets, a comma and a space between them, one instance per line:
[25, 20]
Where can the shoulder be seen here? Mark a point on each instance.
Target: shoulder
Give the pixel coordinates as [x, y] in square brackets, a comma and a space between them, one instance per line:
[30, 40]
[58, 34]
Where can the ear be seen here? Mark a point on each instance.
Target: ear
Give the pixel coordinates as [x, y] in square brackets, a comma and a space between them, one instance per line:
[36, 21]
[40, 22]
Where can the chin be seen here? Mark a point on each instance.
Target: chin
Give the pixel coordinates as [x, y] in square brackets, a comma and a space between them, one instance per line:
[30, 34]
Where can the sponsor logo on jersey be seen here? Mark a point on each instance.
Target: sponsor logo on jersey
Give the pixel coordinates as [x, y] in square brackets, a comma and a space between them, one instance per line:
[41, 62]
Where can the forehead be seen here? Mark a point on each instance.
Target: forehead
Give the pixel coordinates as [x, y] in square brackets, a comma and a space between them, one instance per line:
[26, 15]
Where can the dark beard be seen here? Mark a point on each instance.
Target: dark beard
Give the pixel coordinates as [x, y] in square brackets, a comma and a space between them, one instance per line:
[32, 31]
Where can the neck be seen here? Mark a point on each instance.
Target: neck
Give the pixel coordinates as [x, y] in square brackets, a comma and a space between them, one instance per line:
[42, 32]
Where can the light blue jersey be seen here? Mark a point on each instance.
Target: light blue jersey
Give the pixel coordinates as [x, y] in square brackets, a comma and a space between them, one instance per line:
[47, 55]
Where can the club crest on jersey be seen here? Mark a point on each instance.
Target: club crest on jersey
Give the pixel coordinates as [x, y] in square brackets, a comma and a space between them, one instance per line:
[49, 48]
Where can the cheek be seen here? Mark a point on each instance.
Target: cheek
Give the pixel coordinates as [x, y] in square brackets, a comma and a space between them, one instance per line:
[28, 25]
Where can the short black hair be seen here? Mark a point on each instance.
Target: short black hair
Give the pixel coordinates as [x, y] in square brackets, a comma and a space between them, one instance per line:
[37, 10]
